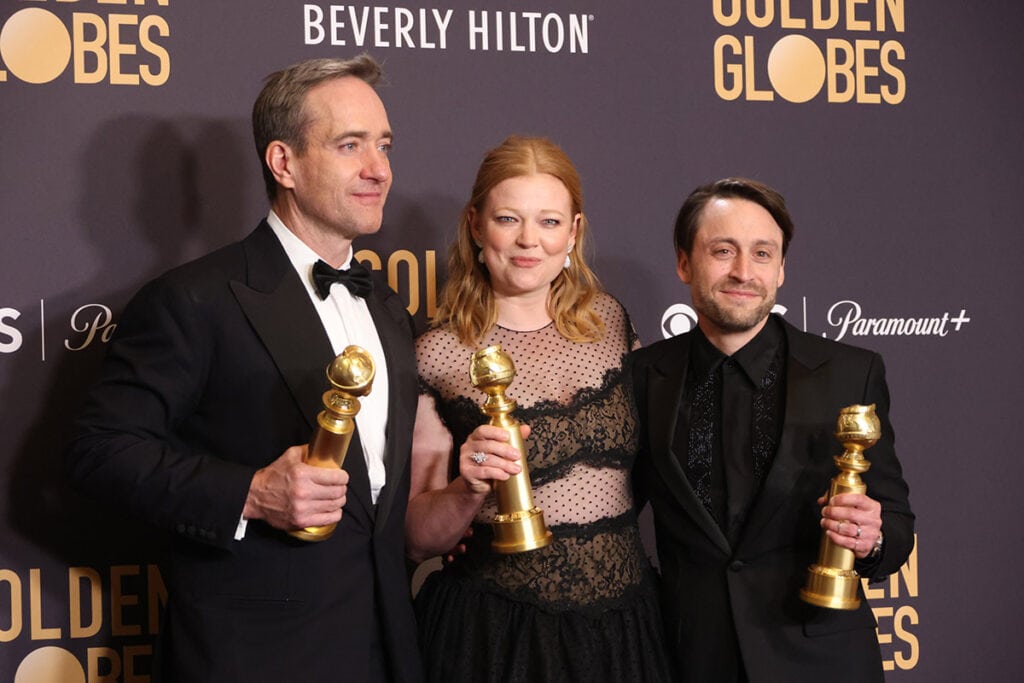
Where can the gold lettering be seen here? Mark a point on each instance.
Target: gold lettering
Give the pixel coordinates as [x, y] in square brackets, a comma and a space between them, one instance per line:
[119, 49]
[748, 68]
[906, 614]
[131, 653]
[837, 69]
[724, 19]
[76, 575]
[819, 21]
[890, 95]
[97, 654]
[760, 20]
[35, 608]
[735, 71]
[146, 26]
[883, 638]
[84, 46]
[118, 601]
[864, 71]
[13, 582]
[787, 20]
[413, 273]
[852, 22]
[896, 14]
[431, 284]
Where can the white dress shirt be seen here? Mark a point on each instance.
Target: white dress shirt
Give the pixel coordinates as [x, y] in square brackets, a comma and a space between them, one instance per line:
[346, 319]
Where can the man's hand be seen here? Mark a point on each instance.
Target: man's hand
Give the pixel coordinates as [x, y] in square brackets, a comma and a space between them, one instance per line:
[852, 520]
[289, 494]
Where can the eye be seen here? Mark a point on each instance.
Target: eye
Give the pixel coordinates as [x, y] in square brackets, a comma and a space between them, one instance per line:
[504, 219]
[551, 222]
[385, 147]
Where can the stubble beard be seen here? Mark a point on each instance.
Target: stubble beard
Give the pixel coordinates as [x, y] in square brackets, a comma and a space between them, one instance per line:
[732, 320]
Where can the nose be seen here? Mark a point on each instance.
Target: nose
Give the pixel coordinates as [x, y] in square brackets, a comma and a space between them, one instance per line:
[376, 166]
[528, 234]
[740, 270]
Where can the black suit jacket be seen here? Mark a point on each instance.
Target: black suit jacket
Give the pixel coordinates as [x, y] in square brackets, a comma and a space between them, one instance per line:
[215, 369]
[722, 602]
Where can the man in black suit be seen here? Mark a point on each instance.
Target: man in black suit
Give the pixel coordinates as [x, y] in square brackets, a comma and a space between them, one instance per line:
[737, 449]
[209, 394]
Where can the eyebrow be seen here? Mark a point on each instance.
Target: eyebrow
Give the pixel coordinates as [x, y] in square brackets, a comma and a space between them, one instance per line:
[362, 135]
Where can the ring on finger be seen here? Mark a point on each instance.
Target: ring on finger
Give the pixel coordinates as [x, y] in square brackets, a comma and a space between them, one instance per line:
[839, 527]
[858, 531]
[479, 457]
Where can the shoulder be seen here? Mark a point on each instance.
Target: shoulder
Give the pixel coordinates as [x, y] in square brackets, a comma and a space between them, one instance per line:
[813, 350]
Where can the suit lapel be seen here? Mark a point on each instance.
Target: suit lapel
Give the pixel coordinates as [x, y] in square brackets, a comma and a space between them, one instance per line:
[666, 380]
[390, 332]
[277, 306]
[792, 453]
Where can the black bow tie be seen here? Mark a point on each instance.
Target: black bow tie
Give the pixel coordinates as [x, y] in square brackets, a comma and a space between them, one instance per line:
[356, 278]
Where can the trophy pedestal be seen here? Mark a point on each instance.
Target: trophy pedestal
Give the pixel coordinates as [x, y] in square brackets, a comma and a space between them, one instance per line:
[831, 587]
[314, 533]
[519, 531]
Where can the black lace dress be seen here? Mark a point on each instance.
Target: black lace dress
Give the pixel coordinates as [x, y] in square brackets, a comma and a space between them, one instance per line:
[583, 608]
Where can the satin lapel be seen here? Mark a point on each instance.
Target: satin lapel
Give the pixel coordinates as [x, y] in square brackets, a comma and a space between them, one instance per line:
[277, 306]
[666, 380]
[391, 333]
[793, 452]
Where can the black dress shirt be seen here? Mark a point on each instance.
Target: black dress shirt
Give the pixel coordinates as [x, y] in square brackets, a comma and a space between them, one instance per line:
[729, 422]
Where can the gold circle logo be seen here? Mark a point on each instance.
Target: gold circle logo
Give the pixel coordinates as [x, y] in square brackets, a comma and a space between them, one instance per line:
[35, 46]
[796, 68]
[49, 665]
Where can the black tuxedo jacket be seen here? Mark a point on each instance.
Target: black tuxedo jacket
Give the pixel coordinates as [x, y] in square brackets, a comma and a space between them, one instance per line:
[724, 602]
[215, 369]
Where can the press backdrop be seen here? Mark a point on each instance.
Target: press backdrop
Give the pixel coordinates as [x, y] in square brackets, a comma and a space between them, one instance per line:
[893, 127]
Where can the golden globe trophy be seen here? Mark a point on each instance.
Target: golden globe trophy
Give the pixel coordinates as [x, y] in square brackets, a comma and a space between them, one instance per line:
[351, 376]
[519, 524]
[832, 581]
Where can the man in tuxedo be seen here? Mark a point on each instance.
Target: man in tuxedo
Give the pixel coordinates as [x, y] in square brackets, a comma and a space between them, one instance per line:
[737, 450]
[209, 394]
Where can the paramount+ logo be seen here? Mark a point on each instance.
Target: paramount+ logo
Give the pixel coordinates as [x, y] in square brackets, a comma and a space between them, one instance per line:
[114, 42]
[839, 51]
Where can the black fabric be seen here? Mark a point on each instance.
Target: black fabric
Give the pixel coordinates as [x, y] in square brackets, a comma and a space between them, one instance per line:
[583, 608]
[356, 278]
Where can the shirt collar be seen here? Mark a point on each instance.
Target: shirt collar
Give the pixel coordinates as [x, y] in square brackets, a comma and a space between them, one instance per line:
[302, 257]
[754, 358]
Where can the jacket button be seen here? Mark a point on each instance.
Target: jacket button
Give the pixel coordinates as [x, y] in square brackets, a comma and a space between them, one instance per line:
[736, 565]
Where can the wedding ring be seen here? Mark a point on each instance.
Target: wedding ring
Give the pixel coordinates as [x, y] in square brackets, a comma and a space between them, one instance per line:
[858, 531]
[479, 457]
[839, 529]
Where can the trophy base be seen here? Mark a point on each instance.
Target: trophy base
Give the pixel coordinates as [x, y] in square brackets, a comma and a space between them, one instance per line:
[832, 588]
[314, 533]
[520, 531]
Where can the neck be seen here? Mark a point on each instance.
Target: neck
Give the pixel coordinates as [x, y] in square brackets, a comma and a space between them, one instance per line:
[328, 245]
[523, 313]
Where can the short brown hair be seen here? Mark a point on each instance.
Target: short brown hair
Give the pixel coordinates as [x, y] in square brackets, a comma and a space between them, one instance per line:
[741, 188]
[279, 112]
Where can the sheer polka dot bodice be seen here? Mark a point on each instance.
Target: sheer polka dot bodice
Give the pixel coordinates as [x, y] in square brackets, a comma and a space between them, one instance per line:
[576, 399]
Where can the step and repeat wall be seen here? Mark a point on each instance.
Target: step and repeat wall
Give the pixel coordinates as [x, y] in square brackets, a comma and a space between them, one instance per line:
[891, 126]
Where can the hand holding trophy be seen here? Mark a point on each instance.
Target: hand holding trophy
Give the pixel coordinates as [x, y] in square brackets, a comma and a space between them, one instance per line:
[832, 581]
[519, 524]
[351, 376]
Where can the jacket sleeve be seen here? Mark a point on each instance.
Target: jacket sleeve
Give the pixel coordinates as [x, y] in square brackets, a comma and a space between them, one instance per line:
[885, 483]
[130, 449]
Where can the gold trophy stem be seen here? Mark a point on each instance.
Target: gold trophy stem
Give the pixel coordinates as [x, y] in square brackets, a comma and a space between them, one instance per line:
[351, 375]
[519, 524]
[832, 581]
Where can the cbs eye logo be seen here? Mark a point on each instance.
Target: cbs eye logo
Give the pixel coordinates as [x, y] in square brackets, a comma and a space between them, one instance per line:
[681, 318]
[37, 46]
